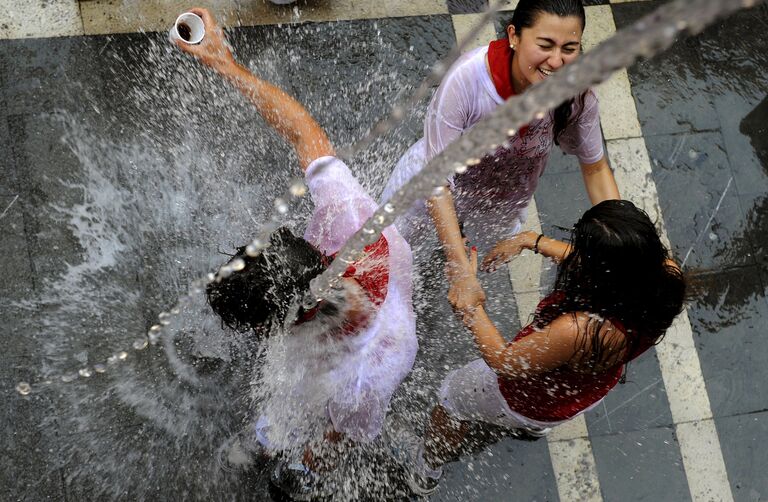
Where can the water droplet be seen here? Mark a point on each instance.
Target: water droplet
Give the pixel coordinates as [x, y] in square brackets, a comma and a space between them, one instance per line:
[155, 329]
[252, 250]
[693, 154]
[281, 206]
[712, 236]
[398, 113]
[473, 162]
[99, 368]
[460, 169]
[225, 271]
[237, 264]
[380, 219]
[23, 388]
[122, 355]
[298, 188]
[68, 378]
[539, 115]
[140, 344]
[210, 276]
[112, 359]
[368, 230]
[163, 315]
[511, 132]
[389, 207]
[438, 191]
[84, 372]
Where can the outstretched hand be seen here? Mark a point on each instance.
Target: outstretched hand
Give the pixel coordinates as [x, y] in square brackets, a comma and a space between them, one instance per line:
[505, 250]
[214, 50]
[464, 292]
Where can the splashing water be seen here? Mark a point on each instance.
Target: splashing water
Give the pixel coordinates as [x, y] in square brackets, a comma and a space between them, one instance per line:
[189, 399]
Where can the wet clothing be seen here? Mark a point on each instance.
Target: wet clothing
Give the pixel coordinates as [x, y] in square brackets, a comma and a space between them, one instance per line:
[543, 400]
[496, 193]
[350, 380]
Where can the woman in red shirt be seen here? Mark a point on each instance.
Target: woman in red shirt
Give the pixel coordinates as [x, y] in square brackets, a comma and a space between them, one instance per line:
[616, 294]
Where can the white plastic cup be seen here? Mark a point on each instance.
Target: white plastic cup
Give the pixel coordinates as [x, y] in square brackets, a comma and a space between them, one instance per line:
[189, 28]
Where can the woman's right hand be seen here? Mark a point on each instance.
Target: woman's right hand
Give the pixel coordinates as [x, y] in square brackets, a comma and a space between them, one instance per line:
[213, 51]
[507, 249]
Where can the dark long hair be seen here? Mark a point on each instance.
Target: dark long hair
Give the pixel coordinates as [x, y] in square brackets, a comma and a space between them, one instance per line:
[617, 269]
[526, 14]
[261, 293]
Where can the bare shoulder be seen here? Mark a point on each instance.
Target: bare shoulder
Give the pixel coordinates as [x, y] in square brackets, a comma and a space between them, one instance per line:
[583, 330]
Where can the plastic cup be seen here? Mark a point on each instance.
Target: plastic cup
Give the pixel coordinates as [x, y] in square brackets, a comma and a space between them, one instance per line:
[189, 28]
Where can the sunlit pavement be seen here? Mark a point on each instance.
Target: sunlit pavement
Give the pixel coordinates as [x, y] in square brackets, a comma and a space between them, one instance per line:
[684, 131]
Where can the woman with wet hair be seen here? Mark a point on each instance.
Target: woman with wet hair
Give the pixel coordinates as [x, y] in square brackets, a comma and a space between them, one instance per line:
[333, 366]
[491, 199]
[616, 294]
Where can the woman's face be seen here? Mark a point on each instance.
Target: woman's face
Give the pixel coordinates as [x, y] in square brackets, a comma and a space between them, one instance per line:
[544, 48]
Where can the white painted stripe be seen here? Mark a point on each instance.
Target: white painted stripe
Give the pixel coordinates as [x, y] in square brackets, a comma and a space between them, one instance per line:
[678, 359]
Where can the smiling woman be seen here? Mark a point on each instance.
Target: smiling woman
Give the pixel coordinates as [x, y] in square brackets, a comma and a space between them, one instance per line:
[491, 198]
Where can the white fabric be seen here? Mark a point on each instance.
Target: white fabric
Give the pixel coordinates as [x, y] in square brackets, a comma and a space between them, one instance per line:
[349, 381]
[493, 196]
[472, 393]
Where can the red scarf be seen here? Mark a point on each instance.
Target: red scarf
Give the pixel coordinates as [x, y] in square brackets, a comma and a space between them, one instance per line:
[500, 60]
[373, 277]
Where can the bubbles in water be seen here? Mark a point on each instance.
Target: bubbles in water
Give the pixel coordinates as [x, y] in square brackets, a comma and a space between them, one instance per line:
[23, 388]
[84, 372]
[140, 344]
[298, 188]
[237, 264]
[281, 206]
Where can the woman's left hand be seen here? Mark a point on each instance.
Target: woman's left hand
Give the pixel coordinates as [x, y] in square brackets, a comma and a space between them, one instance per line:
[464, 292]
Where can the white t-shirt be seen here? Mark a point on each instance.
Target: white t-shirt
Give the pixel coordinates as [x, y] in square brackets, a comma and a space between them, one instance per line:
[350, 381]
[495, 193]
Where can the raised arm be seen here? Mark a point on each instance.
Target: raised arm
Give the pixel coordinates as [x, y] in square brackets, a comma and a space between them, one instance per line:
[599, 181]
[536, 353]
[283, 113]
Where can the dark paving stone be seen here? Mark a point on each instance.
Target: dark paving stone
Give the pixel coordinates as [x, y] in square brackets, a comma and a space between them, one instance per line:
[727, 313]
[744, 134]
[637, 405]
[509, 470]
[640, 465]
[29, 461]
[672, 90]
[742, 441]
[8, 181]
[756, 229]
[466, 6]
[17, 280]
[692, 173]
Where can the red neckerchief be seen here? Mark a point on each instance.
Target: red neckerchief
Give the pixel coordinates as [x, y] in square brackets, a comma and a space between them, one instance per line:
[371, 272]
[500, 62]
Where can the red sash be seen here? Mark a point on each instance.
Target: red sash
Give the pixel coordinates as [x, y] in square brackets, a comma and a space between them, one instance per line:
[500, 61]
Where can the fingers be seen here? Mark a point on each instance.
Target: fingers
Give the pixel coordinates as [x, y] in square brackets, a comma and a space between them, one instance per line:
[206, 15]
[473, 259]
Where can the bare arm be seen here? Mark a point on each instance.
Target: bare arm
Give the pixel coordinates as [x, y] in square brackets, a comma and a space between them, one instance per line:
[599, 181]
[507, 249]
[465, 287]
[283, 113]
[534, 354]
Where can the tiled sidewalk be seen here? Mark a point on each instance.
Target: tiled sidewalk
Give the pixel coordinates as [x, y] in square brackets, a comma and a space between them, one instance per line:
[692, 121]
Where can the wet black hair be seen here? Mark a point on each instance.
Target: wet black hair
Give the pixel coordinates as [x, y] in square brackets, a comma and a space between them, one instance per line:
[526, 14]
[261, 293]
[617, 269]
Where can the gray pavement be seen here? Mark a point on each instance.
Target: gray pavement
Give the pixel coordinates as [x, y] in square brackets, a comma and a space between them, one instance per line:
[139, 433]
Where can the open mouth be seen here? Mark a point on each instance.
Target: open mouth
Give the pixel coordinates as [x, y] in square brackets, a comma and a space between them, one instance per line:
[545, 73]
